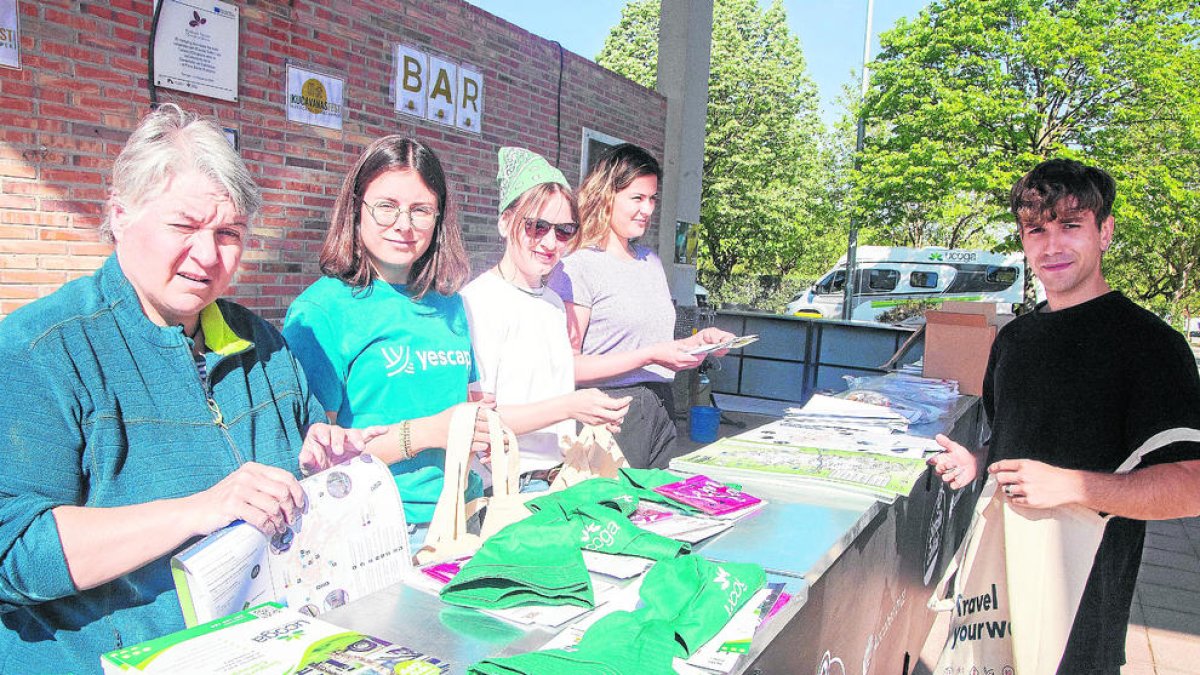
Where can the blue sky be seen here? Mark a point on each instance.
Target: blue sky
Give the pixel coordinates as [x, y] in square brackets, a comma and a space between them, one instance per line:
[831, 31]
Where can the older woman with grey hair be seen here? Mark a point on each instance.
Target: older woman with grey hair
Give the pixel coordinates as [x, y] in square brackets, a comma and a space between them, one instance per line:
[143, 411]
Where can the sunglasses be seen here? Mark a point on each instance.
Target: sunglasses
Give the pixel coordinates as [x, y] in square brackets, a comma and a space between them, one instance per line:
[535, 229]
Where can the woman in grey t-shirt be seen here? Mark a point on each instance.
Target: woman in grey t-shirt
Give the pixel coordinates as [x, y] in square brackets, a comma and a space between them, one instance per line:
[620, 317]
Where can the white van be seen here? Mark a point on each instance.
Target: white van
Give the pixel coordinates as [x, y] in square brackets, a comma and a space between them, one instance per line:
[888, 276]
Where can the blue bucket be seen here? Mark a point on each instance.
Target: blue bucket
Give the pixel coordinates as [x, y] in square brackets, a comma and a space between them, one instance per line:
[703, 423]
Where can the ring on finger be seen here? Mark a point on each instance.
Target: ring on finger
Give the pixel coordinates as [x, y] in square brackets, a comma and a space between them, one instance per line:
[1007, 490]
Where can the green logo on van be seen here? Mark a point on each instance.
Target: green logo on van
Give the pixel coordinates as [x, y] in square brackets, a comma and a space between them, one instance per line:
[937, 300]
[936, 257]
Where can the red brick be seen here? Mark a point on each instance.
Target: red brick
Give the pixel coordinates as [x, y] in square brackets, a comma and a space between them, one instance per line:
[32, 247]
[114, 74]
[17, 169]
[83, 87]
[32, 277]
[9, 201]
[55, 234]
[70, 176]
[14, 231]
[70, 263]
[89, 248]
[10, 292]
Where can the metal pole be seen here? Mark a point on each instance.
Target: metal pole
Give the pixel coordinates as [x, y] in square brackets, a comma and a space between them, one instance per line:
[852, 244]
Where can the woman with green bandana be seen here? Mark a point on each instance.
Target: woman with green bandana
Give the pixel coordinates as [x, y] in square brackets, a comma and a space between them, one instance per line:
[518, 325]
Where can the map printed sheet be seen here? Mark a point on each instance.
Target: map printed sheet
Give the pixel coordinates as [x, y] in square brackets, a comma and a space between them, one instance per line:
[853, 445]
[351, 540]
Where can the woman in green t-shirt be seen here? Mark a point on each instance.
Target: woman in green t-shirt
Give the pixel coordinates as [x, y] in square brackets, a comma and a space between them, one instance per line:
[383, 336]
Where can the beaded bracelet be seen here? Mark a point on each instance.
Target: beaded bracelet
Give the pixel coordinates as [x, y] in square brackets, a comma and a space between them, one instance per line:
[406, 439]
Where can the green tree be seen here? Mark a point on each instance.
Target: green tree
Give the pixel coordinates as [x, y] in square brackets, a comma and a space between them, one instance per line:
[762, 195]
[972, 93]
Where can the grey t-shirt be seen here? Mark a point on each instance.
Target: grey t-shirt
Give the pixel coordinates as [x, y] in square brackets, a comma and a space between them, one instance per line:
[630, 302]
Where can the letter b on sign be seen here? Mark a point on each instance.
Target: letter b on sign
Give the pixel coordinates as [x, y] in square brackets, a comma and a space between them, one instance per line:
[412, 68]
[438, 90]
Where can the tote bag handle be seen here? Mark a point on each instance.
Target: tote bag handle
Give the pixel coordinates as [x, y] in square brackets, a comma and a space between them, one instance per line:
[448, 536]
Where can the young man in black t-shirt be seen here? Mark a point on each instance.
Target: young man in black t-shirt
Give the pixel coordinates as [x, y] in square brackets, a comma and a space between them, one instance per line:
[1076, 387]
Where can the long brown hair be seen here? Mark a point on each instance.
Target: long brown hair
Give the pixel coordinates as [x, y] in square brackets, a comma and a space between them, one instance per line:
[444, 266]
[616, 169]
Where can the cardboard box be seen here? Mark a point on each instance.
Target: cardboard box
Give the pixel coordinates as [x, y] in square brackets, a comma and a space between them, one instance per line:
[958, 339]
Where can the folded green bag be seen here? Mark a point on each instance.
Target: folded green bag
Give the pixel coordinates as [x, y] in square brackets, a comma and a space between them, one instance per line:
[621, 643]
[686, 601]
[643, 482]
[697, 597]
[606, 531]
[647, 479]
[599, 491]
[536, 561]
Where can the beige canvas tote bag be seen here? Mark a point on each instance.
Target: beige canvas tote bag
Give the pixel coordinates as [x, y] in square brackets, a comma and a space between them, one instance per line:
[593, 453]
[1014, 585]
[448, 536]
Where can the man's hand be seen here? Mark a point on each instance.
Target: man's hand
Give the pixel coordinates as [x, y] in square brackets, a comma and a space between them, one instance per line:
[326, 445]
[1037, 485]
[955, 464]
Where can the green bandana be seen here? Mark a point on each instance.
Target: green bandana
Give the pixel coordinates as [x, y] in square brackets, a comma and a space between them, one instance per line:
[685, 602]
[606, 531]
[521, 170]
[538, 560]
[643, 481]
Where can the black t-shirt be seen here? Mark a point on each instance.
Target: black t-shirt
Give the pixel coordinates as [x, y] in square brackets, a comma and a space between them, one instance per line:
[1083, 388]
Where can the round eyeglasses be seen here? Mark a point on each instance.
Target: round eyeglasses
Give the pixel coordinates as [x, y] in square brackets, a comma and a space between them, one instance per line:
[387, 214]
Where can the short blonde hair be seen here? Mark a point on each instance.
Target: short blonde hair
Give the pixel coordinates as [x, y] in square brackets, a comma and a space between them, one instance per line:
[170, 141]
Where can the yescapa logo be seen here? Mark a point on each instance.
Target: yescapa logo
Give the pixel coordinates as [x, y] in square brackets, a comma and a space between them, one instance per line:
[598, 538]
[722, 578]
[397, 359]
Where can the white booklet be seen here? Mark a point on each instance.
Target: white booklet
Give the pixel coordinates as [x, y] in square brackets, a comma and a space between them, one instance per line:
[351, 540]
[731, 343]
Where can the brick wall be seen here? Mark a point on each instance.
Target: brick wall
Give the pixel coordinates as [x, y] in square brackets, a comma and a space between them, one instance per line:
[83, 85]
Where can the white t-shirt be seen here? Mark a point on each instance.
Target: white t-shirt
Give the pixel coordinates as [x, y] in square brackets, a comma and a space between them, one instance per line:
[523, 356]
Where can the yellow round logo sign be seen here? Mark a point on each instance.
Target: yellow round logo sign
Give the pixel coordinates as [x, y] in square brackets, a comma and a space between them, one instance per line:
[312, 92]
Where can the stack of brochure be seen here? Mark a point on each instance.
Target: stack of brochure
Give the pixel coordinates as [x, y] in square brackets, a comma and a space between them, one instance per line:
[710, 497]
[270, 638]
[848, 444]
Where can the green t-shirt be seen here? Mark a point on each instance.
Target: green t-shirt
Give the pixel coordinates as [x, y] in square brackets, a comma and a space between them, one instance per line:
[377, 356]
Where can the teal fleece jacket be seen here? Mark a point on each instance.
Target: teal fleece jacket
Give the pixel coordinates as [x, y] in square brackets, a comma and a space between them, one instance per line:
[103, 408]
